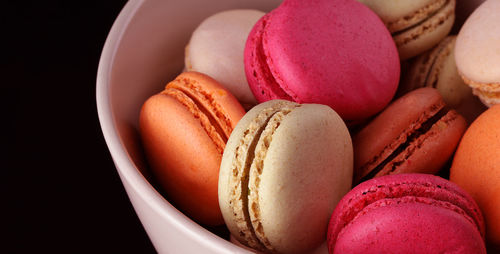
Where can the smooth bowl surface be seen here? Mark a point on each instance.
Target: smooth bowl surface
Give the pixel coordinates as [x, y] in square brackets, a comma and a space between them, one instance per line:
[144, 50]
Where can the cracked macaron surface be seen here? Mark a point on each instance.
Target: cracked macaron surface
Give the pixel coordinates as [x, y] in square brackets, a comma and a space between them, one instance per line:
[318, 53]
[285, 167]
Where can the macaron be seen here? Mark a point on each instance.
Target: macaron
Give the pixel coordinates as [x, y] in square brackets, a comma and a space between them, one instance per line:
[477, 52]
[216, 49]
[316, 52]
[184, 130]
[436, 68]
[417, 25]
[406, 213]
[285, 167]
[416, 133]
[476, 168]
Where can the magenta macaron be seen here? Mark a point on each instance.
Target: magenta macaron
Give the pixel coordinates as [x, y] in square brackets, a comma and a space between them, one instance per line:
[332, 52]
[406, 213]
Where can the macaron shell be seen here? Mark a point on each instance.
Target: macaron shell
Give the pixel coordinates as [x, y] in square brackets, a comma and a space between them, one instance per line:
[232, 194]
[476, 168]
[430, 151]
[436, 68]
[300, 185]
[192, 116]
[221, 39]
[448, 82]
[398, 15]
[314, 56]
[426, 35]
[478, 47]
[213, 97]
[171, 135]
[311, 145]
[390, 128]
[260, 79]
[427, 188]
[409, 228]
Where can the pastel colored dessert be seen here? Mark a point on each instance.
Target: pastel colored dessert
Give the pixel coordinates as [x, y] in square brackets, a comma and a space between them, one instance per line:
[285, 167]
[476, 168]
[406, 213]
[216, 49]
[184, 130]
[416, 26]
[436, 68]
[316, 52]
[477, 52]
[417, 133]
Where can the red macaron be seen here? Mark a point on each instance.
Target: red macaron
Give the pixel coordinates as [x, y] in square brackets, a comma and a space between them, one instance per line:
[333, 52]
[406, 213]
[416, 133]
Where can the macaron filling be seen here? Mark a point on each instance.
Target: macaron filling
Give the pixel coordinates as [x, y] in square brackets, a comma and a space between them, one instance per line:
[261, 67]
[248, 165]
[414, 138]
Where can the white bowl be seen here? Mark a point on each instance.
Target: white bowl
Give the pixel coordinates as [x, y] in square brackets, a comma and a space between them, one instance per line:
[144, 50]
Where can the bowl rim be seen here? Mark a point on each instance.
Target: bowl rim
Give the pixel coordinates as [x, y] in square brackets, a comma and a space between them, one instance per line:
[123, 162]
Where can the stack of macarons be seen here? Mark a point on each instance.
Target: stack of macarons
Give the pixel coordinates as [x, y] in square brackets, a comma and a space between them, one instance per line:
[318, 127]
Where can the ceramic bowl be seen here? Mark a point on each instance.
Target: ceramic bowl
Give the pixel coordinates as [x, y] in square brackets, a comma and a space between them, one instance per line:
[143, 51]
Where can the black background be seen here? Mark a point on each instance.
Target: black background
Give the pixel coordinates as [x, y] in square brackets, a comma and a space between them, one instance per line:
[62, 190]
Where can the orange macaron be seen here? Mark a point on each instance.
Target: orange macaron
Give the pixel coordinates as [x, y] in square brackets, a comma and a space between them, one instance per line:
[184, 130]
[476, 168]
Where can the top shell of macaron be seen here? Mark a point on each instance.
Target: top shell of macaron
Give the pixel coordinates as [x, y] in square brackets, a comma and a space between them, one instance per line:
[403, 185]
[337, 53]
[477, 50]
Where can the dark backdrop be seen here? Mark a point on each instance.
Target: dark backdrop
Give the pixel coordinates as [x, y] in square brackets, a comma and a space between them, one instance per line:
[62, 191]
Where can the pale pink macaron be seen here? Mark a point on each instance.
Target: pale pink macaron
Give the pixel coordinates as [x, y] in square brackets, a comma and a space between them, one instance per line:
[477, 52]
[338, 53]
[216, 49]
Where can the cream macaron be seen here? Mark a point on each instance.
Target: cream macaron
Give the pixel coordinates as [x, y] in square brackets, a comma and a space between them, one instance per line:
[216, 49]
[416, 25]
[284, 168]
[436, 68]
[477, 52]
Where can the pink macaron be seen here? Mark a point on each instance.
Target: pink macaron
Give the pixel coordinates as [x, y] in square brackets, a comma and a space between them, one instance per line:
[406, 213]
[333, 52]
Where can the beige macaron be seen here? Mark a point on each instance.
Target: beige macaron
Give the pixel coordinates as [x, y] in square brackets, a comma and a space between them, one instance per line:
[216, 49]
[436, 68]
[284, 168]
[415, 25]
[477, 52]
